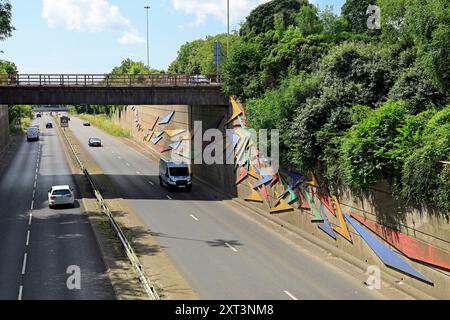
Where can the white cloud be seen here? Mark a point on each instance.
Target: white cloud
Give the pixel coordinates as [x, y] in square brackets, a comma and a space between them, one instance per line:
[83, 15]
[131, 38]
[89, 16]
[239, 9]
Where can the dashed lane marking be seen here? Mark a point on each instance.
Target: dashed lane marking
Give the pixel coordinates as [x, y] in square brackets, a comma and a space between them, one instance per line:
[24, 266]
[231, 247]
[20, 293]
[290, 295]
[28, 238]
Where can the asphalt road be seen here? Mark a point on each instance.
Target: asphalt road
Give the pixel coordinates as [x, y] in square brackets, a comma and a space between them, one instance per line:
[221, 253]
[38, 245]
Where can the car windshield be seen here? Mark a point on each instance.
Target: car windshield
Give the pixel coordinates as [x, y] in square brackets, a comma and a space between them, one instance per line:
[179, 172]
[61, 192]
[95, 140]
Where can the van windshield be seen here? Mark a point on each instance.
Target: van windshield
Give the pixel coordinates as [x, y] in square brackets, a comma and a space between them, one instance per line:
[179, 172]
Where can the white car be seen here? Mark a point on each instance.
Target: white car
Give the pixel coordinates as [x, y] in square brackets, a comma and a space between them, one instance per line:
[200, 79]
[61, 195]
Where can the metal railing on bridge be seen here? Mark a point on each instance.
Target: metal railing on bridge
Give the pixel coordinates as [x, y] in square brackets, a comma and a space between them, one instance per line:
[107, 80]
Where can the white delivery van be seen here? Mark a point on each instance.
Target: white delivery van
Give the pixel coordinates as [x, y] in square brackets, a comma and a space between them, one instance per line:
[32, 134]
[174, 175]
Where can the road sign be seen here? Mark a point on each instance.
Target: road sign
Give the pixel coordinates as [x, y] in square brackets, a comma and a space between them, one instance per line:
[64, 122]
[217, 47]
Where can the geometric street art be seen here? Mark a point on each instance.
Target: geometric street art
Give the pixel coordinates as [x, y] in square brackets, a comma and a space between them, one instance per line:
[411, 247]
[311, 195]
[389, 257]
[342, 228]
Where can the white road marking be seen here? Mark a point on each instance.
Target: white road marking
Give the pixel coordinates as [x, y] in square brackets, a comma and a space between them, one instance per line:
[28, 238]
[290, 295]
[32, 205]
[24, 266]
[151, 183]
[20, 293]
[194, 217]
[231, 247]
[29, 221]
[168, 197]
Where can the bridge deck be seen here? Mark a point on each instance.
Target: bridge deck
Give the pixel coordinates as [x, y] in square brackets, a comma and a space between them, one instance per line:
[111, 90]
[107, 80]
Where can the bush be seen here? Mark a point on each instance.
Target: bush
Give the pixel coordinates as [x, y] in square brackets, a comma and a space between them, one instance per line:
[424, 179]
[368, 149]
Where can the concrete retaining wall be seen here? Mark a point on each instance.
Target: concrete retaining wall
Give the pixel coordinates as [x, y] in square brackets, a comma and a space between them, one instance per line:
[378, 205]
[184, 118]
[425, 224]
[4, 127]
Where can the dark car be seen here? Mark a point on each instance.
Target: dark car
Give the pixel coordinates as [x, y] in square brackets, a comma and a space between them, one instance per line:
[49, 126]
[95, 142]
[86, 124]
[39, 115]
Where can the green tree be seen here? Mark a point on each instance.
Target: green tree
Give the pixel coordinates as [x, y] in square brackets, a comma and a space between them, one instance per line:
[19, 111]
[333, 25]
[129, 66]
[6, 27]
[355, 13]
[308, 21]
[262, 19]
[8, 67]
[424, 25]
[197, 57]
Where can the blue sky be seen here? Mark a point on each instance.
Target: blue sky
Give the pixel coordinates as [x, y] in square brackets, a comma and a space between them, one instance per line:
[93, 36]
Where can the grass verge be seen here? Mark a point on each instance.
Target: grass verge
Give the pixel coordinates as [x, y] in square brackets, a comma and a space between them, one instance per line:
[106, 124]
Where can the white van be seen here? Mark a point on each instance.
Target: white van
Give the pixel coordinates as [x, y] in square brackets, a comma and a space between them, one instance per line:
[174, 175]
[32, 134]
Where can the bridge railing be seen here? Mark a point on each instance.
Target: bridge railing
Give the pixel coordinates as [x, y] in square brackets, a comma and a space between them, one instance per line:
[107, 80]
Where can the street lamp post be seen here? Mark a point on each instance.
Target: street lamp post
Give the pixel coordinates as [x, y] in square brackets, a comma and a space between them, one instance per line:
[148, 42]
[228, 27]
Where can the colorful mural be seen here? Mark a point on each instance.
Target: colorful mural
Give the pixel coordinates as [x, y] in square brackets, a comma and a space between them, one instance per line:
[309, 195]
[284, 191]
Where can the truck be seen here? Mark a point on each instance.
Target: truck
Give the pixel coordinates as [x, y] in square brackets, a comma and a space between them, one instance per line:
[174, 175]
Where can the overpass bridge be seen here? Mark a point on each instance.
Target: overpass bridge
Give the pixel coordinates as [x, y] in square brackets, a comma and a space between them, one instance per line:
[106, 89]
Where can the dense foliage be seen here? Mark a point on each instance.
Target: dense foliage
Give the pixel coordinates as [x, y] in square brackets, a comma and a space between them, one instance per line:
[353, 104]
[6, 27]
[16, 112]
[197, 57]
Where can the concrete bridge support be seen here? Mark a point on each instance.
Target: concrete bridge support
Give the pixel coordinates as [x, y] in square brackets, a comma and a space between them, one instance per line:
[4, 128]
